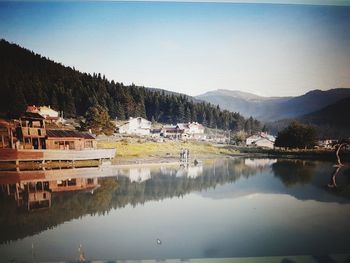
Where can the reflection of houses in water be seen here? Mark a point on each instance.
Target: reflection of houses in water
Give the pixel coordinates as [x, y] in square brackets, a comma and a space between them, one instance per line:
[190, 171]
[183, 171]
[34, 193]
[139, 174]
[259, 163]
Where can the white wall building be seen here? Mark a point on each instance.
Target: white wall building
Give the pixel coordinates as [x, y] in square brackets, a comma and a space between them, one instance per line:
[196, 128]
[261, 140]
[192, 130]
[136, 126]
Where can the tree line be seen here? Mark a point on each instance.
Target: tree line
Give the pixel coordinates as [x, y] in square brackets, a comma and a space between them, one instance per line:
[30, 79]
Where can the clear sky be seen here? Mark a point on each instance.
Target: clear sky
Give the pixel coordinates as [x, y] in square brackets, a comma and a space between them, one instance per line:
[267, 49]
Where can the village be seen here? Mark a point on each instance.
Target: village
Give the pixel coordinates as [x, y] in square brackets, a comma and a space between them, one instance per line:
[44, 128]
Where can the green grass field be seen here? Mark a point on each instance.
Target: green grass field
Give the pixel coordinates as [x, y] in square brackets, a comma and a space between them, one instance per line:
[136, 148]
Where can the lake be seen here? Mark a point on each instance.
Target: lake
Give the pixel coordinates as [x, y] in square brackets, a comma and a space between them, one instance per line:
[227, 208]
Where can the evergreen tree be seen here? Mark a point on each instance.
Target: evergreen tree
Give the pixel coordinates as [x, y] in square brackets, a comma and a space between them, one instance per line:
[187, 115]
[98, 120]
[297, 135]
[18, 105]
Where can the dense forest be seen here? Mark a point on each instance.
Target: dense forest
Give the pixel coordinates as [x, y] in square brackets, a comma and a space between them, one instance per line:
[30, 79]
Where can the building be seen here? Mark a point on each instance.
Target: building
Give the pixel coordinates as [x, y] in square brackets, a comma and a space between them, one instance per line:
[6, 134]
[172, 132]
[184, 131]
[326, 143]
[261, 139]
[134, 126]
[31, 132]
[49, 114]
[69, 140]
[196, 128]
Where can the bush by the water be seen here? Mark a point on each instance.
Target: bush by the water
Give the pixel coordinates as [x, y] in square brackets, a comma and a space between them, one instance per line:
[297, 135]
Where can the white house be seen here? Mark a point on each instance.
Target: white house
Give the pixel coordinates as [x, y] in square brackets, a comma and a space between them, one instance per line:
[192, 130]
[327, 143]
[196, 128]
[261, 140]
[136, 126]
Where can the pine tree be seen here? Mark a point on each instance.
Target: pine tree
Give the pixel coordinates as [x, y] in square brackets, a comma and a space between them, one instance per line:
[18, 103]
[98, 120]
[187, 115]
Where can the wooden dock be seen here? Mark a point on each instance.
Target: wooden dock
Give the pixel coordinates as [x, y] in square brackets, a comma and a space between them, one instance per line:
[52, 159]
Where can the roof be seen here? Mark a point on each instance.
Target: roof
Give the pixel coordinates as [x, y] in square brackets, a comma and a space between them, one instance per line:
[32, 116]
[47, 108]
[156, 130]
[32, 108]
[119, 123]
[7, 124]
[264, 139]
[169, 126]
[182, 126]
[196, 124]
[257, 137]
[68, 133]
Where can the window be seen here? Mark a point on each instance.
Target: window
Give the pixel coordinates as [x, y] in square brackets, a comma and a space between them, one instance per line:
[88, 144]
[72, 182]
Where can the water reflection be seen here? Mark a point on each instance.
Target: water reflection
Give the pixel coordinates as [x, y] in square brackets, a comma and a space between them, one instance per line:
[293, 172]
[32, 202]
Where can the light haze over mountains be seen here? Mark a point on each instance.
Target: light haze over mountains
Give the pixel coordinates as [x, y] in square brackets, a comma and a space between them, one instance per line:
[274, 108]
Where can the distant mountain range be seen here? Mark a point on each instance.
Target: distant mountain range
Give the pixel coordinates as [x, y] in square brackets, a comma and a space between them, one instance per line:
[331, 121]
[270, 109]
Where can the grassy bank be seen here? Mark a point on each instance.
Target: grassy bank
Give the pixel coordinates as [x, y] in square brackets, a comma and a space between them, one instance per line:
[136, 148]
[319, 154]
[133, 148]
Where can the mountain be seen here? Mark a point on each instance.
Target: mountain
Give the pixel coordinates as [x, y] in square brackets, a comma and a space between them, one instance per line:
[246, 103]
[30, 79]
[274, 108]
[331, 120]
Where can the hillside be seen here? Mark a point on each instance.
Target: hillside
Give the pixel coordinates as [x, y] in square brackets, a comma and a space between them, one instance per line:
[274, 108]
[27, 78]
[331, 121]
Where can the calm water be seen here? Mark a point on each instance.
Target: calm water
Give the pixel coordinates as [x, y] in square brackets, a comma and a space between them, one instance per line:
[221, 208]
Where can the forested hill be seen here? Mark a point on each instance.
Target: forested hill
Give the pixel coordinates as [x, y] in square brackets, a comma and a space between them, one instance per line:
[331, 120]
[27, 78]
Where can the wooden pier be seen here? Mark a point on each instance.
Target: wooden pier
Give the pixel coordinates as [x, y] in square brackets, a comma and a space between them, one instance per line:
[37, 159]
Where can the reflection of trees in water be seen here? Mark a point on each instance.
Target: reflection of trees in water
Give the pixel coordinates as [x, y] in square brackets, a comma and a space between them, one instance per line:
[293, 172]
[339, 183]
[115, 193]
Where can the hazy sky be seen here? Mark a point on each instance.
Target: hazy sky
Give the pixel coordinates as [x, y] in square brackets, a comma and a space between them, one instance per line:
[267, 49]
